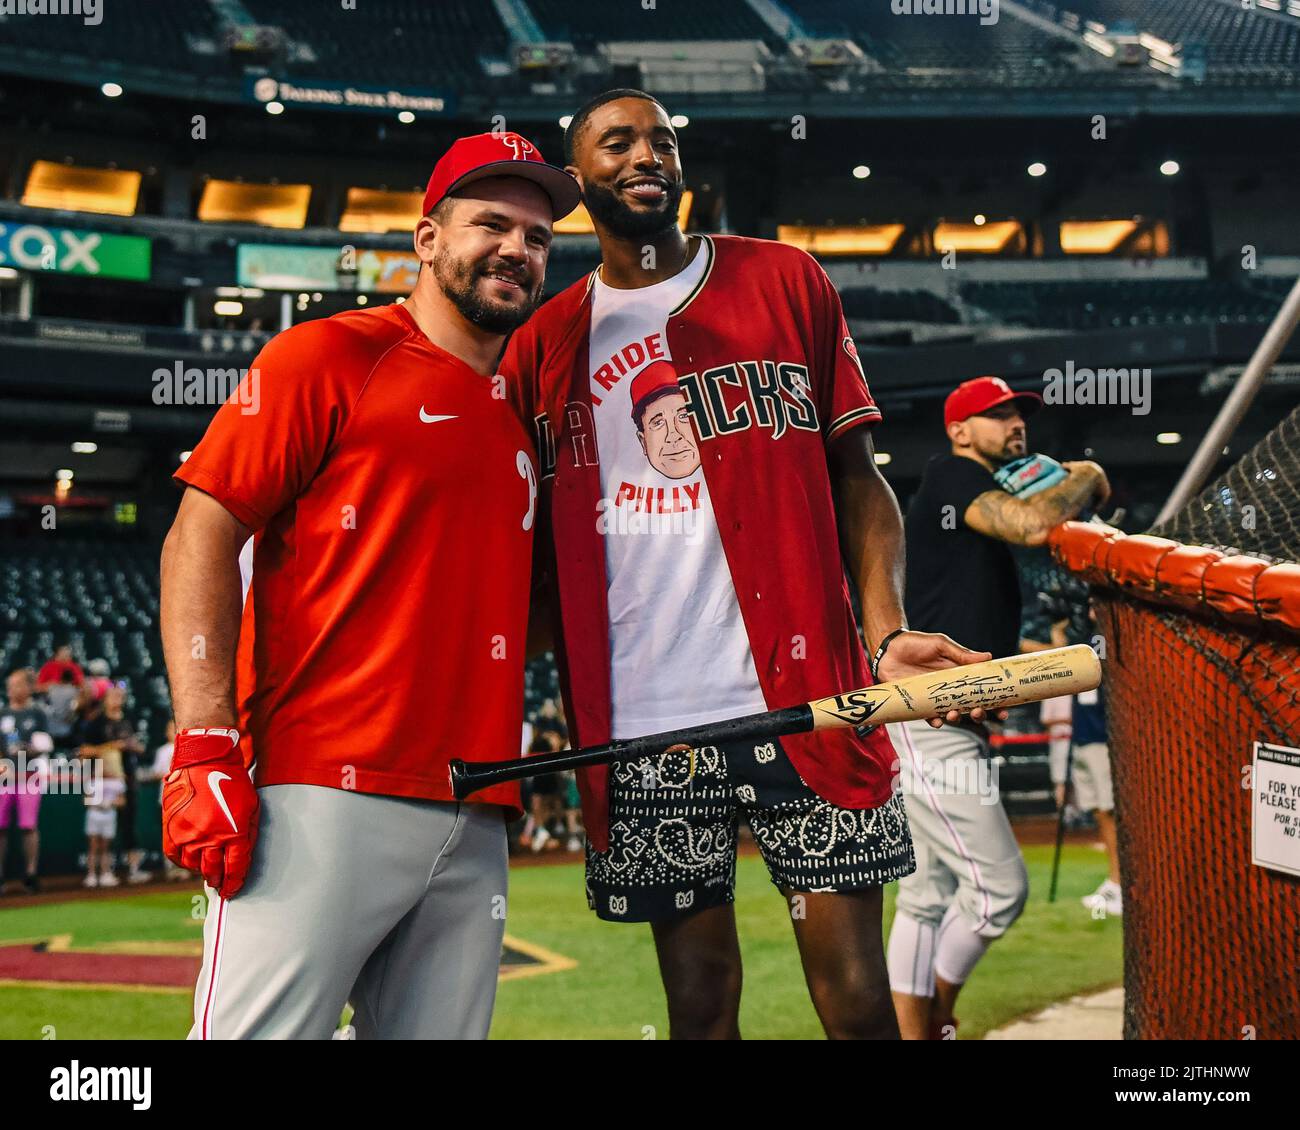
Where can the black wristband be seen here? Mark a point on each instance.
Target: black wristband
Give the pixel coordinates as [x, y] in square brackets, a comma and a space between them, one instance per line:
[880, 652]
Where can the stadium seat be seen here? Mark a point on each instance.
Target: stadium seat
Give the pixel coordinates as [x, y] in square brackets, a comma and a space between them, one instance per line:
[132, 32]
[100, 595]
[1241, 46]
[584, 24]
[923, 51]
[436, 46]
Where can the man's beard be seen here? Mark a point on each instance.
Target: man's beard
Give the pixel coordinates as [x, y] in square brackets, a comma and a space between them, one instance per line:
[607, 207]
[459, 282]
[1001, 455]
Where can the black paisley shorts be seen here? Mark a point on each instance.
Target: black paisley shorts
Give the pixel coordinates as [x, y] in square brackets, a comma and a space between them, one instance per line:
[672, 836]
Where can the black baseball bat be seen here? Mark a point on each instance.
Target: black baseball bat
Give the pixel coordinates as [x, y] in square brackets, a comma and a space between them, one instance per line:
[469, 778]
[992, 684]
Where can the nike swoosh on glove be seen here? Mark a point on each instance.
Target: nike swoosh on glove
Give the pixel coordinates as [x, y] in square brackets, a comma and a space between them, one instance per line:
[210, 809]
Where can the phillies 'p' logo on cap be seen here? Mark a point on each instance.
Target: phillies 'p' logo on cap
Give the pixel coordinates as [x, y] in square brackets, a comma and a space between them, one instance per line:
[519, 146]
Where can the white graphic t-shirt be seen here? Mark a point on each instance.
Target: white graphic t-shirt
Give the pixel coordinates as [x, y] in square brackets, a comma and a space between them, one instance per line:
[680, 654]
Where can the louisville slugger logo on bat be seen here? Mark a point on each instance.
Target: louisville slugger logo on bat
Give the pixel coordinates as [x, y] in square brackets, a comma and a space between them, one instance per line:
[854, 708]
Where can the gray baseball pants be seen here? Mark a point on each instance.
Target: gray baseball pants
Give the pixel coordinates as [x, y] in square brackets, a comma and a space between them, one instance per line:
[395, 905]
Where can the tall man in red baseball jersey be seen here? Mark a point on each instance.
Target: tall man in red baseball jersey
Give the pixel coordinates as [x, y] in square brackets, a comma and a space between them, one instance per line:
[699, 407]
[390, 491]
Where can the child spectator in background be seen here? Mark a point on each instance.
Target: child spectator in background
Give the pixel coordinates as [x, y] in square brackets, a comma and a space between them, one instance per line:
[102, 803]
[108, 730]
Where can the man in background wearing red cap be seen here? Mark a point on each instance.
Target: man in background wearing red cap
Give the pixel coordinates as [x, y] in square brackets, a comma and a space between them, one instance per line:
[390, 492]
[970, 883]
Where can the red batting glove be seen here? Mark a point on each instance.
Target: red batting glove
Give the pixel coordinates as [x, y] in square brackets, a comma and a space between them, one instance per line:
[210, 809]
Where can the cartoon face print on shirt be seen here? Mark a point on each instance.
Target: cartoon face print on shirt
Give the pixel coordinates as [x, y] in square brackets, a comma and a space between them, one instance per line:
[663, 424]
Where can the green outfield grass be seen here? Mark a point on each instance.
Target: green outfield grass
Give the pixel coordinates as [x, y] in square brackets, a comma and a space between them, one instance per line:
[1053, 952]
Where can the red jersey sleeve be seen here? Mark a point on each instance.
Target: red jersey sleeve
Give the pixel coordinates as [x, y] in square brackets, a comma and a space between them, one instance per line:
[839, 384]
[266, 443]
[520, 367]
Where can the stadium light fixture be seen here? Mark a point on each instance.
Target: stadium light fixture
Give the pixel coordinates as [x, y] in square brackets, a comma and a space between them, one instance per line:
[362, 299]
[185, 455]
[861, 172]
[883, 458]
[269, 205]
[228, 308]
[981, 220]
[84, 447]
[1037, 169]
[275, 108]
[111, 90]
[379, 210]
[1171, 168]
[406, 117]
[986, 238]
[565, 121]
[1169, 438]
[1095, 237]
[81, 188]
[8, 273]
[866, 239]
[63, 475]
[680, 121]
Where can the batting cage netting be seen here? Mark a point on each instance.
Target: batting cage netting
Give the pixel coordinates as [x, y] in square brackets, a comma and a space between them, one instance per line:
[1200, 621]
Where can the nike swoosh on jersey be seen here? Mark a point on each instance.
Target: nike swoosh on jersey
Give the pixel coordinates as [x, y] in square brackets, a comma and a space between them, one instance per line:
[427, 419]
[214, 783]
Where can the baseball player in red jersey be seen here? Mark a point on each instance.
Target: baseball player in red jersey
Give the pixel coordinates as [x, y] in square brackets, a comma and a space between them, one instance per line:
[700, 412]
[390, 491]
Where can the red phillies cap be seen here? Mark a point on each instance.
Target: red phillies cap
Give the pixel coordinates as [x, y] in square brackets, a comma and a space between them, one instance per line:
[500, 155]
[656, 379]
[982, 393]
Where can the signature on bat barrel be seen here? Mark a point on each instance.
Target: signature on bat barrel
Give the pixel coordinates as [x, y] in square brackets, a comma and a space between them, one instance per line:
[968, 690]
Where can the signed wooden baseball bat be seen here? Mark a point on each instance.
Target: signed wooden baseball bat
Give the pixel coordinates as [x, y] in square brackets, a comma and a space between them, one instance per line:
[992, 685]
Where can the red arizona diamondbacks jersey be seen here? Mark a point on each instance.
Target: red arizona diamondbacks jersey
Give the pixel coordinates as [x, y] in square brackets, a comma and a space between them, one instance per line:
[770, 376]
